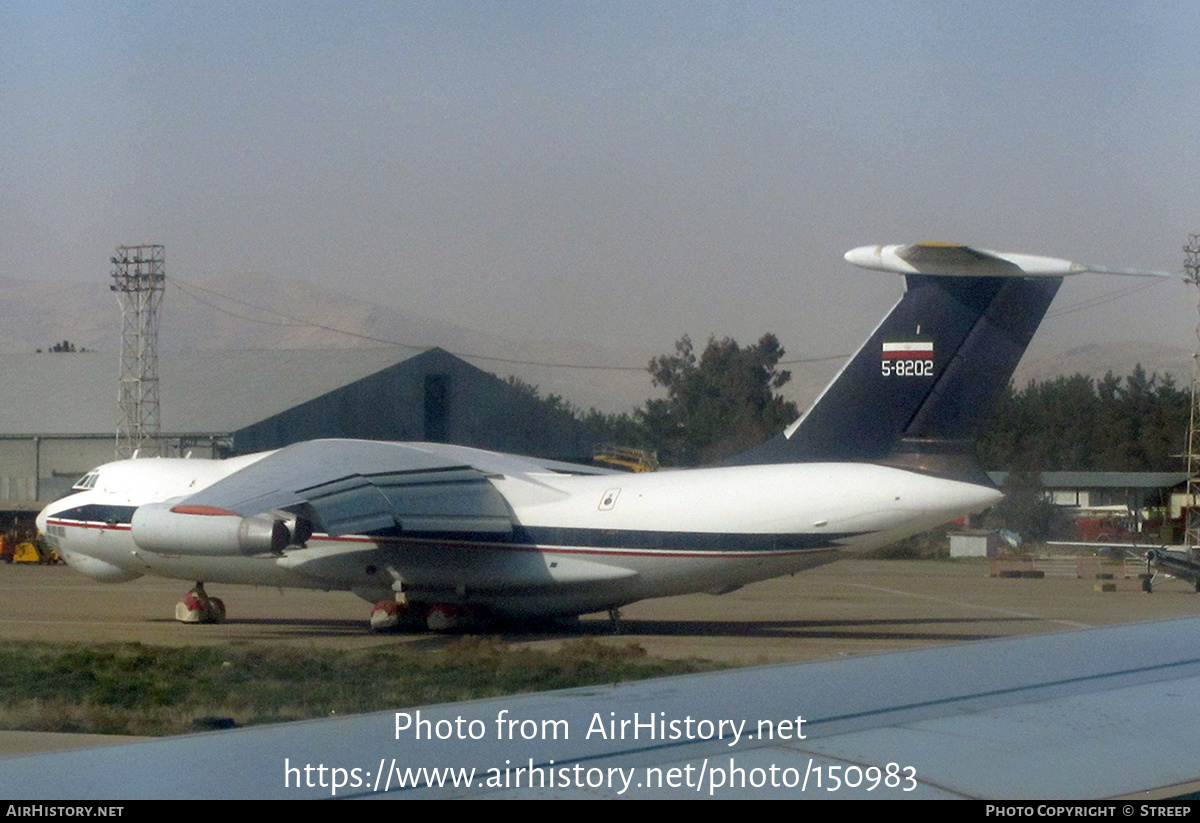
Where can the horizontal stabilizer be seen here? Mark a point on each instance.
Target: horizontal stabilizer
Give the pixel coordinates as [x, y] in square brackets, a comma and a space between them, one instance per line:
[949, 260]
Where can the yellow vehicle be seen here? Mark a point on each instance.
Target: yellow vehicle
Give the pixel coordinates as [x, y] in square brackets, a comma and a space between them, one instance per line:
[33, 551]
[637, 460]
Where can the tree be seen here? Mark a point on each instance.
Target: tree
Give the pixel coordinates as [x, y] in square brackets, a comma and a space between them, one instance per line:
[64, 346]
[718, 404]
[1137, 423]
[1026, 511]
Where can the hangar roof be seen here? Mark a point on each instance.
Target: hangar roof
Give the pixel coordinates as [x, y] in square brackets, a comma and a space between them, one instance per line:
[201, 392]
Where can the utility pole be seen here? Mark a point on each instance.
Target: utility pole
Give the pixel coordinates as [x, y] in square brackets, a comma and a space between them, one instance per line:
[1191, 533]
[139, 276]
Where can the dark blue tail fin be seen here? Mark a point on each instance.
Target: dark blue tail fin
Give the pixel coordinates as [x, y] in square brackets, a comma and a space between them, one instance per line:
[919, 390]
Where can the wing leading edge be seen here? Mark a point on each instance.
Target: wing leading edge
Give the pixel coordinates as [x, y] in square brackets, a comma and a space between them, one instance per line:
[358, 487]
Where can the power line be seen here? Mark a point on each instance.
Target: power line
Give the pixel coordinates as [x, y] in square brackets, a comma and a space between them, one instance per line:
[299, 322]
[1107, 297]
[175, 282]
[293, 321]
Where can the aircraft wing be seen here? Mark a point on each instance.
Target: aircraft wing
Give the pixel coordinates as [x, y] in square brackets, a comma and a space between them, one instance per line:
[1055, 716]
[360, 486]
[1136, 548]
[1174, 562]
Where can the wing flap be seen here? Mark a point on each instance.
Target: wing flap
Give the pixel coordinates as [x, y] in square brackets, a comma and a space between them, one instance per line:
[352, 505]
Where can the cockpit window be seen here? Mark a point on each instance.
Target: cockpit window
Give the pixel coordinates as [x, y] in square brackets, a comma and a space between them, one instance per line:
[88, 481]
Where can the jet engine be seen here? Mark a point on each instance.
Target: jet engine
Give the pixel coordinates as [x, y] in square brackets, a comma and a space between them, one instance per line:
[204, 530]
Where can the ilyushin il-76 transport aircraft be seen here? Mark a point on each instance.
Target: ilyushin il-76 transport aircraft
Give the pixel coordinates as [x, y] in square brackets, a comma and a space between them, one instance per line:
[442, 533]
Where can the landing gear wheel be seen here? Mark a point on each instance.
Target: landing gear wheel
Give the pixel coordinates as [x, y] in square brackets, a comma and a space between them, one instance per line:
[197, 607]
[444, 617]
[385, 616]
[217, 607]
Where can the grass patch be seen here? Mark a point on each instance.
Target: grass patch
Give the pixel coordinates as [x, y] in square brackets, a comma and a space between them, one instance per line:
[129, 688]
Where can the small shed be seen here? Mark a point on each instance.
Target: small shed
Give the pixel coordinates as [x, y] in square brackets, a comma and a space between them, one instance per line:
[975, 543]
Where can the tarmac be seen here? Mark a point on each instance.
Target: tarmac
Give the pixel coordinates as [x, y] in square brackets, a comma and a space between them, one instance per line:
[847, 608]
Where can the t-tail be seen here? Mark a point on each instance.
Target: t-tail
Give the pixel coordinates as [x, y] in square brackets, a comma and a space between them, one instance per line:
[918, 392]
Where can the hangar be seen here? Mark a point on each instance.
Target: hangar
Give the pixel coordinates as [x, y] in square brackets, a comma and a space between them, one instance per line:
[58, 416]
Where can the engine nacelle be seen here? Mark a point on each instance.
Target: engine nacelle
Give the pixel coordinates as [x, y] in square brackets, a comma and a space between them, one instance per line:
[163, 529]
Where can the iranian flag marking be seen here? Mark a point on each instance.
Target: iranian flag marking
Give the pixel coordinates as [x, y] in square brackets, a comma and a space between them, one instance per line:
[915, 350]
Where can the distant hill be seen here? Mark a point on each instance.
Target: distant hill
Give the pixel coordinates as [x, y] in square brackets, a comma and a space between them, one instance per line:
[37, 314]
[1096, 359]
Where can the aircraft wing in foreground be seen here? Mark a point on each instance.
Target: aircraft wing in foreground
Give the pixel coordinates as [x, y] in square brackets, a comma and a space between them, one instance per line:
[439, 533]
[1065, 716]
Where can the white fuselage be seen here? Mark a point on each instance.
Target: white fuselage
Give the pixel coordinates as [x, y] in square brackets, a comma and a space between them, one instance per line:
[580, 542]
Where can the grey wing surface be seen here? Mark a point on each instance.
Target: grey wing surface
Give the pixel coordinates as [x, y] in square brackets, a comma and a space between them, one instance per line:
[1052, 716]
[359, 486]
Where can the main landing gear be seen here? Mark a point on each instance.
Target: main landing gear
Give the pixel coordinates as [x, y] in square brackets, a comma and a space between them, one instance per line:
[197, 607]
[387, 614]
[393, 615]
[614, 619]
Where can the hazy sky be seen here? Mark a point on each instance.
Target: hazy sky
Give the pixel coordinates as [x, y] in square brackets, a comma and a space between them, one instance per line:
[607, 172]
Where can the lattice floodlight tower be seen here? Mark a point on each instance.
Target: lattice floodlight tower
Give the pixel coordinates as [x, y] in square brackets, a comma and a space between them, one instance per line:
[139, 276]
[1191, 532]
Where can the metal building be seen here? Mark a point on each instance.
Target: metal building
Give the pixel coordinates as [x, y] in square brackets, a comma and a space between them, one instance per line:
[58, 415]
